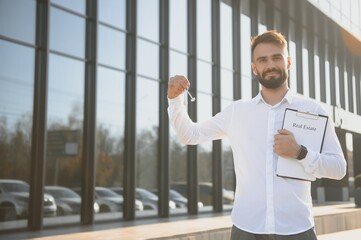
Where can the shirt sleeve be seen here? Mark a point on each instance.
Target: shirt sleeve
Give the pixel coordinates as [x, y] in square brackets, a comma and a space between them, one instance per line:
[192, 133]
[330, 163]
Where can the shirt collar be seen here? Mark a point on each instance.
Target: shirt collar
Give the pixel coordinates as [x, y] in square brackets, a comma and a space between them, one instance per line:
[288, 97]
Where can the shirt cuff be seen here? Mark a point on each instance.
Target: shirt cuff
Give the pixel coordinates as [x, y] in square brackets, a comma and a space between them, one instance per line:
[309, 160]
[177, 101]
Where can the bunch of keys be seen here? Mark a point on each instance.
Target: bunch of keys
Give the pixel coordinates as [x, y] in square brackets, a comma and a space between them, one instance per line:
[190, 95]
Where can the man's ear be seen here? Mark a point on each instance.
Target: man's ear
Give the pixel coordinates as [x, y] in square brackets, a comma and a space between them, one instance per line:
[254, 69]
[289, 63]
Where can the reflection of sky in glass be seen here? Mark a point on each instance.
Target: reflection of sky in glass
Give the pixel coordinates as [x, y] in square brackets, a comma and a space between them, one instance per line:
[306, 89]
[66, 87]
[17, 19]
[67, 32]
[246, 70]
[75, 5]
[177, 64]
[327, 82]
[345, 89]
[111, 47]
[317, 78]
[16, 81]
[148, 19]
[112, 12]
[147, 104]
[226, 84]
[204, 39]
[147, 59]
[337, 85]
[293, 70]
[178, 25]
[204, 77]
[226, 36]
[111, 100]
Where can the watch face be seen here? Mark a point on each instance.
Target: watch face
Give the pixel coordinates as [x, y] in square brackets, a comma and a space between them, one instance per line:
[303, 153]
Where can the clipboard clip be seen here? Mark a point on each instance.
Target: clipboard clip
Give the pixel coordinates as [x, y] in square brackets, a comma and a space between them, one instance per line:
[308, 115]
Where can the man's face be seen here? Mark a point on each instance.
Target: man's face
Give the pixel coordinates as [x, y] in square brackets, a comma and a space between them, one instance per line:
[270, 65]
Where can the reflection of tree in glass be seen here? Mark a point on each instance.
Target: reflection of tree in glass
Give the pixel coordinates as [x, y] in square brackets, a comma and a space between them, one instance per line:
[147, 157]
[15, 147]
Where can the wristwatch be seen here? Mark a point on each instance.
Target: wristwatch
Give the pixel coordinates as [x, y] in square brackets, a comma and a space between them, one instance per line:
[302, 153]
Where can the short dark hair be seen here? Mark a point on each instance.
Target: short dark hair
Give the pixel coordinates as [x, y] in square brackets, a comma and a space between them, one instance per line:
[271, 36]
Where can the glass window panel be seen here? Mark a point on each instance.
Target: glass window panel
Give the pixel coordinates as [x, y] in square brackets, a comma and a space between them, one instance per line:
[246, 70]
[112, 12]
[16, 79]
[226, 36]
[147, 59]
[178, 64]
[204, 36]
[111, 49]
[328, 82]
[337, 86]
[17, 19]
[204, 155]
[292, 49]
[178, 25]
[204, 77]
[346, 90]
[306, 89]
[278, 21]
[148, 19]
[67, 33]
[110, 140]
[226, 85]
[64, 133]
[317, 78]
[354, 93]
[75, 5]
[147, 144]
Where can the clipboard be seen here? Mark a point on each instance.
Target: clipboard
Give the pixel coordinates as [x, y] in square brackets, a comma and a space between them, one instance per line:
[309, 130]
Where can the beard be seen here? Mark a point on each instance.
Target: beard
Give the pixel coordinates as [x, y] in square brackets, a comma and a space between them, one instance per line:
[272, 82]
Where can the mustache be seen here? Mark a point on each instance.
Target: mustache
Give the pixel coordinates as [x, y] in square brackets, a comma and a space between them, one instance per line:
[271, 70]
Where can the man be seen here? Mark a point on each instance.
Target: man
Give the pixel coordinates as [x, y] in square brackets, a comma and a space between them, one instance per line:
[266, 206]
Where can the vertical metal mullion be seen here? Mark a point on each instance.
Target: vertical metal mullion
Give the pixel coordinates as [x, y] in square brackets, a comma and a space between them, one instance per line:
[37, 166]
[285, 27]
[254, 32]
[299, 43]
[270, 12]
[216, 106]
[311, 51]
[130, 112]
[192, 164]
[163, 144]
[236, 29]
[321, 49]
[89, 158]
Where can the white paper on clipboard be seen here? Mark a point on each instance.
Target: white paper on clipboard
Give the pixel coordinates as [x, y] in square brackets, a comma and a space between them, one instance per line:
[308, 130]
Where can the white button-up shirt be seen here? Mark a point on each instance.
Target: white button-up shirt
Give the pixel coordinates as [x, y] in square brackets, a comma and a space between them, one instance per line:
[264, 203]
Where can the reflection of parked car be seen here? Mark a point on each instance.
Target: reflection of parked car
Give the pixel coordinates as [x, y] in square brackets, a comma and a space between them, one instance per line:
[205, 192]
[14, 200]
[148, 199]
[67, 201]
[108, 200]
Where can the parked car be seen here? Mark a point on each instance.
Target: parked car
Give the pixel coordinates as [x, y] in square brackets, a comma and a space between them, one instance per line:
[14, 200]
[67, 201]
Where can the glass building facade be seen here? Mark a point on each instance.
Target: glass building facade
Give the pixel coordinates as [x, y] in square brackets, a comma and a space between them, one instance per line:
[84, 131]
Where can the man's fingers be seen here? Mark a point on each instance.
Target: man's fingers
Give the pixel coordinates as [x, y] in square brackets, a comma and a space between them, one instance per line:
[284, 132]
